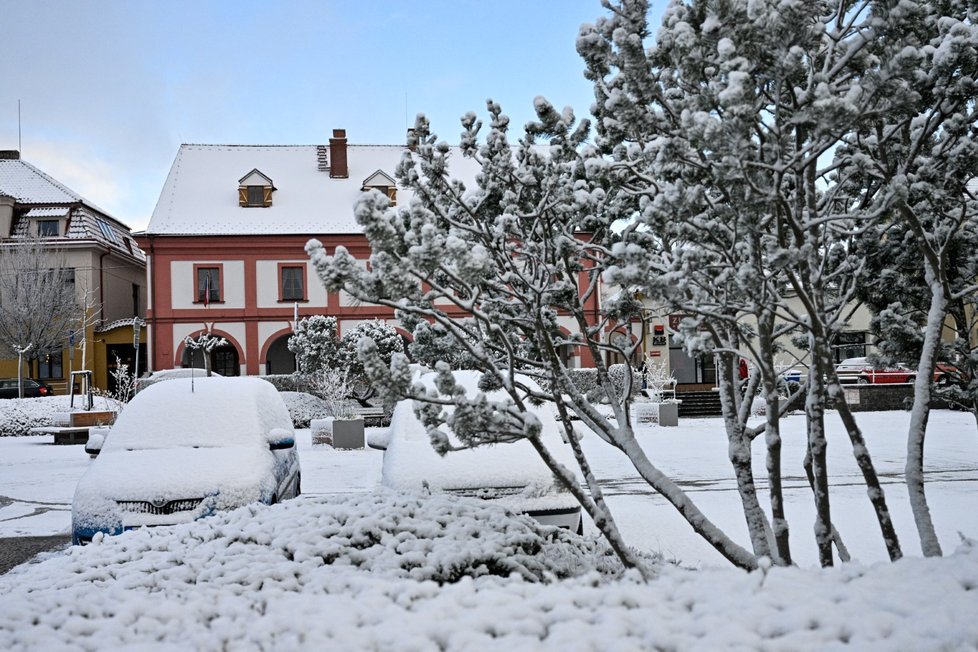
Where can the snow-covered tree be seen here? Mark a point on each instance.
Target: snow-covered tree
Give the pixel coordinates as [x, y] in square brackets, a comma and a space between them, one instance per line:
[38, 306]
[315, 344]
[519, 251]
[318, 348]
[205, 342]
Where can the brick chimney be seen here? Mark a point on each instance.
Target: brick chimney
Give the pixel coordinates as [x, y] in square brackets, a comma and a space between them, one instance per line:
[10, 154]
[337, 155]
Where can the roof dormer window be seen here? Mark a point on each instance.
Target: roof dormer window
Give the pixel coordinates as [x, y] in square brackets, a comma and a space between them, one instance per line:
[382, 182]
[255, 190]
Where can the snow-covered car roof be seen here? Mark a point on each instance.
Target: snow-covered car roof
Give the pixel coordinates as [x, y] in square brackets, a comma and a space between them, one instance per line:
[410, 462]
[204, 411]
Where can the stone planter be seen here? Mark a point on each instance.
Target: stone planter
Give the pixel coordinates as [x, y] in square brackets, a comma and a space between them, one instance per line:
[348, 433]
[668, 414]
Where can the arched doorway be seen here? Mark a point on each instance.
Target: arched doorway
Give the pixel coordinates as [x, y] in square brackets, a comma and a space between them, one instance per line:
[224, 360]
[279, 360]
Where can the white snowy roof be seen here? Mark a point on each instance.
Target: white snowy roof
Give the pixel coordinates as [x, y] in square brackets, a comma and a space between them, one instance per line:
[28, 185]
[35, 191]
[200, 196]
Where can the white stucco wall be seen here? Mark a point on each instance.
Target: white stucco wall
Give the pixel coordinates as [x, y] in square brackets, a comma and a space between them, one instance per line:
[184, 284]
[268, 281]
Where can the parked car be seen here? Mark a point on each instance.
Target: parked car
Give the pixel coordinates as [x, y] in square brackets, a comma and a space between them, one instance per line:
[509, 474]
[179, 452]
[32, 388]
[859, 370]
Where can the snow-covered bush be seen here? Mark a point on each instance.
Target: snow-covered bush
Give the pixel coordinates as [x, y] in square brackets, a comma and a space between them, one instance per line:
[315, 343]
[303, 407]
[19, 415]
[388, 534]
[619, 374]
[288, 382]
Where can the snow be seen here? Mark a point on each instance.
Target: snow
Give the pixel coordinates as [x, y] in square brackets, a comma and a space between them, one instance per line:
[350, 565]
[204, 440]
[195, 200]
[211, 411]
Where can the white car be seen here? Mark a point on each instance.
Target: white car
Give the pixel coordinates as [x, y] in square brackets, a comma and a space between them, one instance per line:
[509, 474]
[183, 449]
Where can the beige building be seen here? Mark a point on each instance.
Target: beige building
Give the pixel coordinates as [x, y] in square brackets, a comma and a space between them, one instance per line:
[101, 260]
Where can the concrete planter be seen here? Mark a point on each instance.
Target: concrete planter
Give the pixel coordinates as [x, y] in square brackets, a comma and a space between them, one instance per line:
[668, 414]
[322, 431]
[348, 433]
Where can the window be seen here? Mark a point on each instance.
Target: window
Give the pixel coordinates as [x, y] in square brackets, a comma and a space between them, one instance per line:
[208, 284]
[850, 345]
[50, 365]
[292, 286]
[255, 190]
[108, 232]
[48, 228]
[135, 299]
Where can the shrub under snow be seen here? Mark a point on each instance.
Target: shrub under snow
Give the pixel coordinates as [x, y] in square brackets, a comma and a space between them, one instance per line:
[388, 571]
[303, 408]
[19, 415]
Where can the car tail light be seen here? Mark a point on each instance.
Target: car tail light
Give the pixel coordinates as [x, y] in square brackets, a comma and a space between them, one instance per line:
[42, 390]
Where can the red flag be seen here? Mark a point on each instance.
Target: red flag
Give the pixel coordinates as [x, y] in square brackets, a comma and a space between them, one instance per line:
[207, 287]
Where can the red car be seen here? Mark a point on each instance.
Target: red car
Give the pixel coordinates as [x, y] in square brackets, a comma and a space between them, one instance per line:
[858, 370]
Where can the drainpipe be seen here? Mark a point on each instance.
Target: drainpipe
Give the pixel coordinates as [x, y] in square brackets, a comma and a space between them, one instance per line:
[101, 287]
[151, 321]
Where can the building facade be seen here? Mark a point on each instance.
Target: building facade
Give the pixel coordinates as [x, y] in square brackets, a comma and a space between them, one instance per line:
[226, 246]
[100, 258]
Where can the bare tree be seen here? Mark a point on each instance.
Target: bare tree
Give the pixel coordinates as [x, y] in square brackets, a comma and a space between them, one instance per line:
[38, 304]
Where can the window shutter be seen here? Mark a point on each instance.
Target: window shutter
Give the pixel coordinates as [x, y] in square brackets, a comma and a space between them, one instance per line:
[242, 195]
[268, 196]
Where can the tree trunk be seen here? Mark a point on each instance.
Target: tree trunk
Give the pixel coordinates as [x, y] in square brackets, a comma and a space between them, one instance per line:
[772, 436]
[914, 471]
[740, 457]
[815, 411]
[861, 452]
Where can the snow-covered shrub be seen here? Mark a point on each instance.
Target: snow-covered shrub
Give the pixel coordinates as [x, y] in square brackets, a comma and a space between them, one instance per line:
[314, 343]
[619, 374]
[289, 382]
[303, 408]
[19, 415]
[388, 534]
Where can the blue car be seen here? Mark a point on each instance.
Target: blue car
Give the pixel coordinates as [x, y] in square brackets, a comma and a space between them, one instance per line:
[185, 448]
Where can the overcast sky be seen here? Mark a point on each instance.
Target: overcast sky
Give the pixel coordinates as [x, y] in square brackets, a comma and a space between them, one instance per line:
[109, 89]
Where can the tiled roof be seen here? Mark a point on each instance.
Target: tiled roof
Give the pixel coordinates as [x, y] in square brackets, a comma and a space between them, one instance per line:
[30, 187]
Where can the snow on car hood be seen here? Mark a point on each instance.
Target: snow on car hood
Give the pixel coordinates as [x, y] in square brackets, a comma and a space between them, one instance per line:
[410, 462]
[238, 474]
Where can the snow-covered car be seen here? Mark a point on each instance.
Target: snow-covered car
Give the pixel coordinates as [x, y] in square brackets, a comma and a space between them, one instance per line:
[509, 474]
[184, 449]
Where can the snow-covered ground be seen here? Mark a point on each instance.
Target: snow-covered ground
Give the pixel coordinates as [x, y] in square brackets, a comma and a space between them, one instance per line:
[268, 578]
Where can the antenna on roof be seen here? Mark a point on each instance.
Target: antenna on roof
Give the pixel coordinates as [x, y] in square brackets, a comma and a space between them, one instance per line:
[20, 147]
[406, 125]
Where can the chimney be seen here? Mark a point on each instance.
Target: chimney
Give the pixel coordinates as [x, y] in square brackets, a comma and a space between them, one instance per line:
[6, 215]
[10, 154]
[337, 155]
